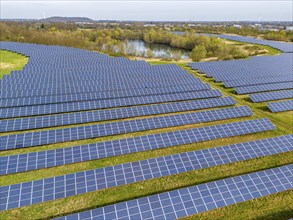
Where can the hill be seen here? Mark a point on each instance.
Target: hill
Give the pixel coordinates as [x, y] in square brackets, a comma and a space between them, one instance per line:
[67, 19]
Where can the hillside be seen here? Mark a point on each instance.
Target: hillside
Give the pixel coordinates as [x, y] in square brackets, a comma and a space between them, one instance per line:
[67, 19]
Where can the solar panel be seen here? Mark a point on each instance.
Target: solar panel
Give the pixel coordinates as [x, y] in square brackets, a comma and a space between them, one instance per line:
[93, 89]
[110, 114]
[283, 46]
[60, 74]
[86, 89]
[109, 86]
[69, 155]
[268, 96]
[100, 104]
[100, 130]
[195, 199]
[92, 180]
[281, 106]
[260, 81]
[40, 100]
[258, 70]
[264, 88]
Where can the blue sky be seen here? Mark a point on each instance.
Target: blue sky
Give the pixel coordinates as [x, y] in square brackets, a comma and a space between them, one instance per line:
[216, 10]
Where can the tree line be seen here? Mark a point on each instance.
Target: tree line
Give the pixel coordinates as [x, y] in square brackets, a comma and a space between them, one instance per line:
[280, 35]
[114, 40]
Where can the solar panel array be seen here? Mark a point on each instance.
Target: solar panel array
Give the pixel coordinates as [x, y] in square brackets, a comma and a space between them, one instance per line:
[110, 114]
[32, 139]
[58, 74]
[93, 89]
[195, 199]
[102, 104]
[283, 46]
[258, 81]
[281, 106]
[268, 96]
[68, 155]
[258, 67]
[63, 86]
[267, 77]
[28, 193]
[264, 88]
[39, 100]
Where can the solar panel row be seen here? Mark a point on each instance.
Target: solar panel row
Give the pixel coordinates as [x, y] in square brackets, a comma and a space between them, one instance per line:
[283, 46]
[258, 81]
[257, 67]
[99, 69]
[264, 88]
[195, 199]
[258, 74]
[112, 71]
[110, 114]
[32, 139]
[102, 87]
[281, 106]
[62, 72]
[268, 96]
[100, 104]
[69, 155]
[40, 100]
[37, 191]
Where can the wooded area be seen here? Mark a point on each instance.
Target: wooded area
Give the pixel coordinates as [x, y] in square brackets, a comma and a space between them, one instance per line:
[114, 40]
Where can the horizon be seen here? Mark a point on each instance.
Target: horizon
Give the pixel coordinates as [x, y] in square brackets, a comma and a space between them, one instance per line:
[119, 20]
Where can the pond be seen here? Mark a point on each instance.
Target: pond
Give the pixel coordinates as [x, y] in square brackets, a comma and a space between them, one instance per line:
[142, 49]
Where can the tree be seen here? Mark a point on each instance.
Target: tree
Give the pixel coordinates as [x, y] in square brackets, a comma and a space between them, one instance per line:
[199, 52]
[149, 53]
[177, 55]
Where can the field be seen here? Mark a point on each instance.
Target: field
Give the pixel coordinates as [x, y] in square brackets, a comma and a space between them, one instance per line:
[276, 206]
[11, 61]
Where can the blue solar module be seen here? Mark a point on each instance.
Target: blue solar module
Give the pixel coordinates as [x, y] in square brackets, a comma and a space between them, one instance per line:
[258, 70]
[61, 74]
[283, 46]
[281, 106]
[195, 199]
[40, 100]
[100, 104]
[93, 131]
[268, 96]
[233, 70]
[103, 87]
[264, 88]
[110, 114]
[61, 156]
[93, 89]
[258, 81]
[92, 180]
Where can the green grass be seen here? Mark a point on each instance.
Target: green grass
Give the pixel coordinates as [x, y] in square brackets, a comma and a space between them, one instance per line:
[11, 61]
[272, 207]
[275, 206]
[131, 191]
[270, 50]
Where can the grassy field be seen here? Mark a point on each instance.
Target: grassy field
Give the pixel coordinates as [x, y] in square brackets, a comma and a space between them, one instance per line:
[277, 206]
[11, 61]
[269, 51]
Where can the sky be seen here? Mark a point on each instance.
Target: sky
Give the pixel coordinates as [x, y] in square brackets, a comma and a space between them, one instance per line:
[152, 10]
